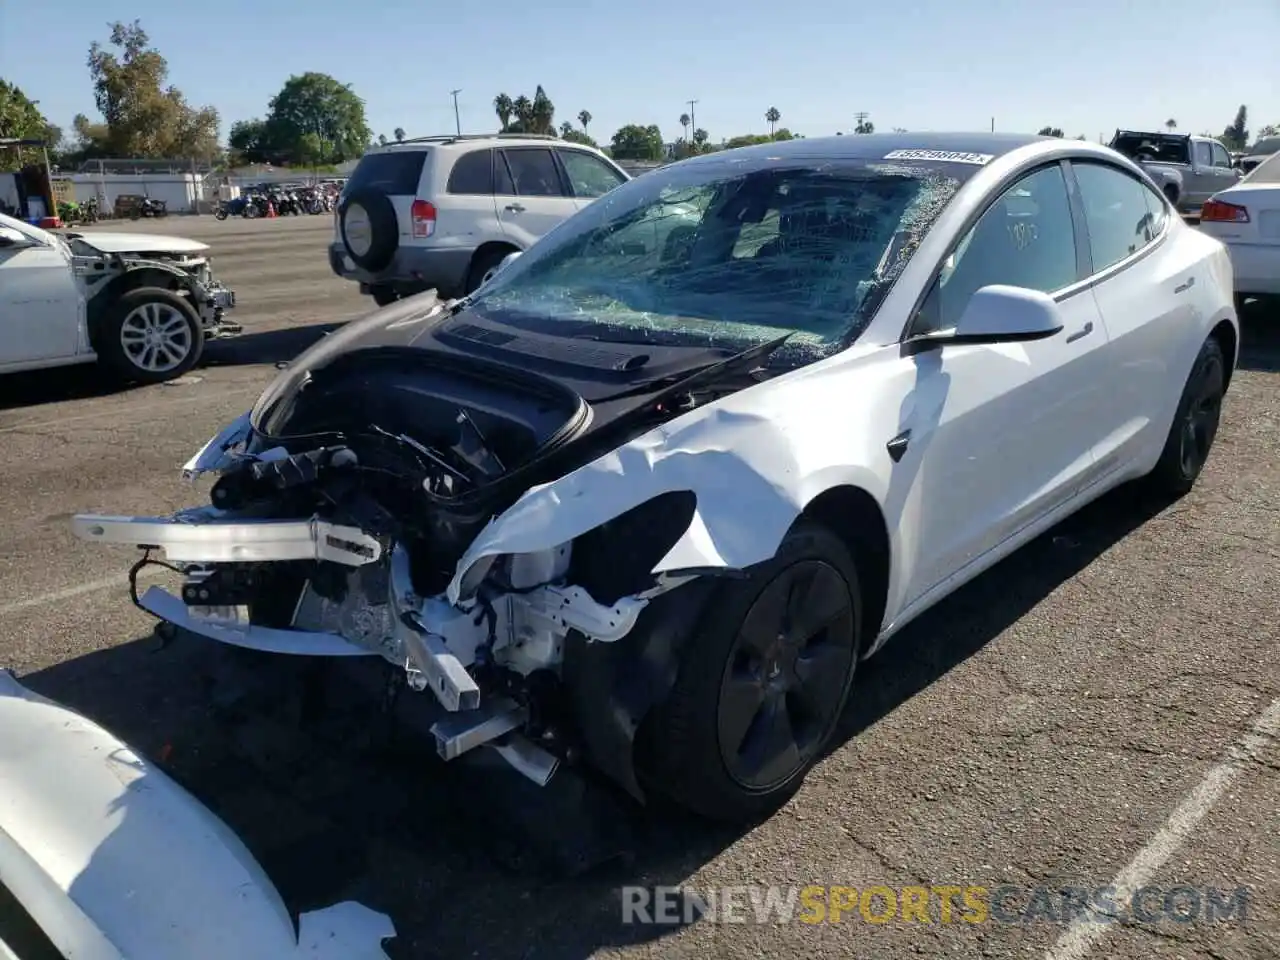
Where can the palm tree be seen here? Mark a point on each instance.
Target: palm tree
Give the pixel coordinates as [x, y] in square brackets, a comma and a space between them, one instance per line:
[382, 139]
[503, 107]
[584, 118]
[522, 106]
[684, 122]
[773, 116]
[1171, 125]
[399, 134]
[566, 128]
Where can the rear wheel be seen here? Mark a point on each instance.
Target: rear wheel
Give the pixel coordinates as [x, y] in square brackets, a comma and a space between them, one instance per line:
[484, 266]
[762, 686]
[1195, 425]
[150, 335]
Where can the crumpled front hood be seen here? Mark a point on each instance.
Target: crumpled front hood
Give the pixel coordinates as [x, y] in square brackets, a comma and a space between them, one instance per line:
[108, 242]
[113, 859]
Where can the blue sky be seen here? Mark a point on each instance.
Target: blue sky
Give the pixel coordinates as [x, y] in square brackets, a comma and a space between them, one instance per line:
[1087, 66]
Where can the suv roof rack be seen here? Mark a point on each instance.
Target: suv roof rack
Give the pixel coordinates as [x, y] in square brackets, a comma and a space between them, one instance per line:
[454, 137]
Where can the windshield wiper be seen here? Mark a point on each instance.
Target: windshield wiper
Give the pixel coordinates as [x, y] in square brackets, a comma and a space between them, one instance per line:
[707, 373]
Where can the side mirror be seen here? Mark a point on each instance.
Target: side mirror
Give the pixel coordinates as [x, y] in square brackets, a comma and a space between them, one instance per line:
[1000, 314]
[10, 237]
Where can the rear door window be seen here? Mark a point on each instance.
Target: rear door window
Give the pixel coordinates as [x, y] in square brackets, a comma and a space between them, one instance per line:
[473, 174]
[395, 173]
[534, 173]
[1117, 212]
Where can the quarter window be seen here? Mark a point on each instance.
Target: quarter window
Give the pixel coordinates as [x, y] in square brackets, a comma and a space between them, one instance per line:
[473, 173]
[1119, 213]
[534, 172]
[589, 176]
[1024, 239]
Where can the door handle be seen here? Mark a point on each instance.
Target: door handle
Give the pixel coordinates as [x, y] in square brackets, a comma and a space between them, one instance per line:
[1082, 332]
[1184, 287]
[515, 207]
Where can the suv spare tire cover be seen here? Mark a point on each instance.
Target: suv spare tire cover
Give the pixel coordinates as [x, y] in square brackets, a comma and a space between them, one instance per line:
[370, 231]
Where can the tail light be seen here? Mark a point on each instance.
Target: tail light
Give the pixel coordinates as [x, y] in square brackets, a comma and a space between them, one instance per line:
[1219, 211]
[423, 215]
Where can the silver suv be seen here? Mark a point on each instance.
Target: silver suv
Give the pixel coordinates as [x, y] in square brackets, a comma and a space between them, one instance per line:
[444, 211]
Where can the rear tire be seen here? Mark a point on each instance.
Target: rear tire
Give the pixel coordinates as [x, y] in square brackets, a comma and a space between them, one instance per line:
[756, 702]
[484, 265]
[1195, 425]
[150, 335]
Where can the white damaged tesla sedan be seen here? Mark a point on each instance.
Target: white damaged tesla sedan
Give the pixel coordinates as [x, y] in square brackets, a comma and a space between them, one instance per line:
[645, 500]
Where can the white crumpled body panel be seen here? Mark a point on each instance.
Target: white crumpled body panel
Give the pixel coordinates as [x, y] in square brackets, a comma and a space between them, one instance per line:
[754, 460]
[115, 861]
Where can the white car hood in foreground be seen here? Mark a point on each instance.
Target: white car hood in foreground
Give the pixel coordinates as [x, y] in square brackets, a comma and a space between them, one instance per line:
[133, 242]
[115, 861]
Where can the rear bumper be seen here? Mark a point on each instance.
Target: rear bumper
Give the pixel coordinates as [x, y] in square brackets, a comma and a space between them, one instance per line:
[413, 269]
[1256, 267]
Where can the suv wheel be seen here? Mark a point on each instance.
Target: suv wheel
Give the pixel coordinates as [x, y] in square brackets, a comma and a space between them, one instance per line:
[484, 266]
[370, 232]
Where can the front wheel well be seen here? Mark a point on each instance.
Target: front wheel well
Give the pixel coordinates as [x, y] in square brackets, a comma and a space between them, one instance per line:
[854, 516]
[1225, 334]
[118, 286]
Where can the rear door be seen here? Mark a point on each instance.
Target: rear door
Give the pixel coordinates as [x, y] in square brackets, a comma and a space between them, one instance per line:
[532, 195]
[1200, 182]
[1224, 174]
[1145, 286]
[589, 176]
[469, 211]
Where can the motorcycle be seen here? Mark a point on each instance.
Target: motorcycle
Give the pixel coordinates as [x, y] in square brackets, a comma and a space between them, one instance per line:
[151, 207]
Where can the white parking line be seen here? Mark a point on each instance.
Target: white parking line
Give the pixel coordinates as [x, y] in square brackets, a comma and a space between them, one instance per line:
[1085, 931]
[70, 593]
[121, 411]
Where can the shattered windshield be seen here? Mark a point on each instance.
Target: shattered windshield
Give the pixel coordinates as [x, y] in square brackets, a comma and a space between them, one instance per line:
[713, 254]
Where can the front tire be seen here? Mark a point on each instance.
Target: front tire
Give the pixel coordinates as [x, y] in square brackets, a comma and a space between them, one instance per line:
[150, 335]
[1195, 425]
[761, 687]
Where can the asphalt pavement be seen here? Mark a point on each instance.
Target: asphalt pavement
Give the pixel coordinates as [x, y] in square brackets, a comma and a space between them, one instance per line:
[1098, 711]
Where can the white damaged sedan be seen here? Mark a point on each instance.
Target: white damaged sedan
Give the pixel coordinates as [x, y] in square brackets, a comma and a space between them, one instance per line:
[645, 500]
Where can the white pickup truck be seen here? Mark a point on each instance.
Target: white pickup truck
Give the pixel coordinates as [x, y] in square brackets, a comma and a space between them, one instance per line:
[142, 305]
[1189, 169]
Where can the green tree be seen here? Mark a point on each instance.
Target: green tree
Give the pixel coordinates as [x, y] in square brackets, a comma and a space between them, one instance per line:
[584, 118]
[1171, 124]
[1050, 132]
[144, 117]
[382, 140]
[398, 133]
[522, 108]
[634, 142]
[773, 116]
[504, 107]
[685, 120]
[312, 150]
[20, 116]
[1270, 130]
[544, 113]
[248, 142]
[1236, 136]
[577, 136]
[317, 103]
[865, 126]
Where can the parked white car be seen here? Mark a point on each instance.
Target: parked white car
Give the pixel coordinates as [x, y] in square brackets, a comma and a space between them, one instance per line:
[1246, 218]
[104, 856]
[141, 304]
[647, 498]
[442, 212]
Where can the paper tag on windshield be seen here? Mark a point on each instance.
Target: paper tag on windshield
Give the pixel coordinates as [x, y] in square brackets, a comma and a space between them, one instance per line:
[946, 156]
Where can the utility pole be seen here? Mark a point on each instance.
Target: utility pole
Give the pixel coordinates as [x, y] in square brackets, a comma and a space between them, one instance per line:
[693, 117]
[457, 117]
[859, 118]
[993, 124]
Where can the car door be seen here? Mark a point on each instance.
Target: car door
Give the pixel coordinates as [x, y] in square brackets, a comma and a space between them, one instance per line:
[532, 196]
[1143, 283]
[41, 306]
[589, 176]
[1200, 181]
[1224, 173]
[1004, 432]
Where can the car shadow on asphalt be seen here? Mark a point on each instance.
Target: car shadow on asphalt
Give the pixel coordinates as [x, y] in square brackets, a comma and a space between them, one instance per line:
[269, 346]
[1260, 336]
[338, 802]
